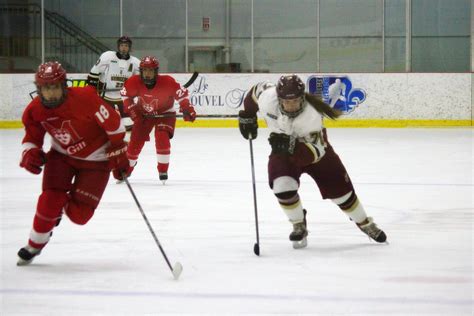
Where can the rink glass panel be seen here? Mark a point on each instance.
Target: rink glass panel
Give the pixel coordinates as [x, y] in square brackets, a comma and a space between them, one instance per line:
[354, 35]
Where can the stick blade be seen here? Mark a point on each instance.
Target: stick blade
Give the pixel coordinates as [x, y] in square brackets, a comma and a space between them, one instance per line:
[256, 249]
[177, 269]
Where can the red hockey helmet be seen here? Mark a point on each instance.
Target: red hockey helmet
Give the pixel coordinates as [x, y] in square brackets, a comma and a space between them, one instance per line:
[288, 88]
[51, 73]
[149, 62]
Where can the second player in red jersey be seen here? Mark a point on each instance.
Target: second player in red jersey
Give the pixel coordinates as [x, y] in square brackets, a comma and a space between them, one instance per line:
[147, 95]
[86, 143]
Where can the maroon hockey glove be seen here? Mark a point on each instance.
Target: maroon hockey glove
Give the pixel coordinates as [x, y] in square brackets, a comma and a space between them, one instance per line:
[118, 160]
[189, 115]
[32, 160]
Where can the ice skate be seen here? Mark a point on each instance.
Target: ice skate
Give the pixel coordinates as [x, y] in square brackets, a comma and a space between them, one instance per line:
[371, 230]
[26, 255]
[299, 234]
[163, 176]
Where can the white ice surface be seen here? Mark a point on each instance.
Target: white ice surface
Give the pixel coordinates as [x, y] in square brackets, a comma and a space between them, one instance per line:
[416, 183]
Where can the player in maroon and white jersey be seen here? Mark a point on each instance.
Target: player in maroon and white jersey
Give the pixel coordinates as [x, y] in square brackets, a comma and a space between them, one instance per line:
[300, 145]
[147, 95]
[87, 142]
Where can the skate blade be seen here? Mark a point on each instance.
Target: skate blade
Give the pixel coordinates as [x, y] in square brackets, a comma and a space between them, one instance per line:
[300, 244]
[163, 181]
[121, 181]
[22, 262]
[177, 269]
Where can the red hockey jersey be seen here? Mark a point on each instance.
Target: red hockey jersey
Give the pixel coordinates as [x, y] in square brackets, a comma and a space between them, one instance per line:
[157, 100]
[82, 127]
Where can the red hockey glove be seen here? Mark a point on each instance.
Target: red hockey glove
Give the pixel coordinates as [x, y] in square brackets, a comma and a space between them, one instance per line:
[135, 111]
[118, 160]
[33, 159]
[189, 115]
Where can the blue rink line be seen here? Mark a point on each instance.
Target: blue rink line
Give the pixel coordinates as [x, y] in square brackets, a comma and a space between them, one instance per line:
[312, 298]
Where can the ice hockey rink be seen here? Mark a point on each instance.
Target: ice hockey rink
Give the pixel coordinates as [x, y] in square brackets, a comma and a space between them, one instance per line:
[416, 183]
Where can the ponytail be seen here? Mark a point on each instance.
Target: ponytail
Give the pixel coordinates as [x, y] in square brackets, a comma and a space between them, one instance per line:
[322, 107]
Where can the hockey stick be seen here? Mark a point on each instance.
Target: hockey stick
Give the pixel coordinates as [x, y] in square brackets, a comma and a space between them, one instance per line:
[186, 85]
[178, 268]
[191, 80]
[256, 247]
[199, 115]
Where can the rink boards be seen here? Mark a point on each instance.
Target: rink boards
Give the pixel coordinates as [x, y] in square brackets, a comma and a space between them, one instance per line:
[366, 99]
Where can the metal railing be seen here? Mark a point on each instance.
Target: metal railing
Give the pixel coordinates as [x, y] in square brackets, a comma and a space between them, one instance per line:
[65, 42]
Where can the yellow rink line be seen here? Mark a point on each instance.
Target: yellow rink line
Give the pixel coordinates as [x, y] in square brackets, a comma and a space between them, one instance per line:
[328, 123]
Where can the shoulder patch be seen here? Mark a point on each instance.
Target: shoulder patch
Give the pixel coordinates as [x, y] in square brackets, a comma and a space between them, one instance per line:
[272, 116]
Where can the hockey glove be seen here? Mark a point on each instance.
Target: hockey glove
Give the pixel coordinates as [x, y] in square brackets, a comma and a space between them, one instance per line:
[135, 111]
[93, 80]
[248, 125]
[189, 115]
[118, 160]
[33, 159]
[282, 144]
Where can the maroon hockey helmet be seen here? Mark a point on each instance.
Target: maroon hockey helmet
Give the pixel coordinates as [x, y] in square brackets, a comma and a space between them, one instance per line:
[124, 40]
[290, 87]
[149, 62]
[50, 73]
[121, 53]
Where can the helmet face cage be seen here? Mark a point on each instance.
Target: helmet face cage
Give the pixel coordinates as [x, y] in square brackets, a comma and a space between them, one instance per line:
[50, 73]
[290, 87]
[149, 62]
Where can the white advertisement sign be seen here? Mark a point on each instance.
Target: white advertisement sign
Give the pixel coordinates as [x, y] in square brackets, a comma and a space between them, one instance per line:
[396, 96]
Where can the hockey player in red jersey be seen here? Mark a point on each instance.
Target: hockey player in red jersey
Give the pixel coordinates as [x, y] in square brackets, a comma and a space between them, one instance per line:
[300, 145]
[86, 143]
[147, 95]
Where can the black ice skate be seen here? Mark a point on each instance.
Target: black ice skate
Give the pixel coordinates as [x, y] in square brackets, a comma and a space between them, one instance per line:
[371, 230]
[26, 255]
[299, 234]
[163, 176]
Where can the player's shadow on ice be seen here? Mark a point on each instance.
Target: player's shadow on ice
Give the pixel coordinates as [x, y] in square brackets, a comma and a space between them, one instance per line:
[65, 267]
[341, 248]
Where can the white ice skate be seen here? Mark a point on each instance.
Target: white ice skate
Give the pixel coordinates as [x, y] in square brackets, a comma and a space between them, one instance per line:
[299, 234]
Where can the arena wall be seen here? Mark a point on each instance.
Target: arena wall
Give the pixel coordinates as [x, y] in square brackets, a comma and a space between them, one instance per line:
[367, 99]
